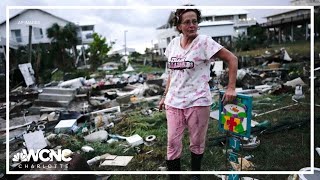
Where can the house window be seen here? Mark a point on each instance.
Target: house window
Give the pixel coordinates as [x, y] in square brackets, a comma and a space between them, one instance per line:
[37, 33]
[208, 18]
[223, 18]
[242, 16]
[16, 35]
[168, 40]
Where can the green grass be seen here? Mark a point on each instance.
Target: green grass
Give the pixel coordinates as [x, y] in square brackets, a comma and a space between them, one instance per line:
[301, 48]
[147, 69]
[280, 151]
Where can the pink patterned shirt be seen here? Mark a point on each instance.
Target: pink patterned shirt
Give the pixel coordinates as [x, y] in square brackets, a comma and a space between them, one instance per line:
[189, 71]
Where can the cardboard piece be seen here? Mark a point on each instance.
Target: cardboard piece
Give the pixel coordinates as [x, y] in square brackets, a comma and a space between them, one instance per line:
[118, 161]
[35, 140]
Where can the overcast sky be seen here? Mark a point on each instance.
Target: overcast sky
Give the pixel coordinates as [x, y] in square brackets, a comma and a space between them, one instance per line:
[139, 23]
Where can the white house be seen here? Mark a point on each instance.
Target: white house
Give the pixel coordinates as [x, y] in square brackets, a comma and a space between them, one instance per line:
[123, 51]
[221, 25]
[305, 2]
[38, 20]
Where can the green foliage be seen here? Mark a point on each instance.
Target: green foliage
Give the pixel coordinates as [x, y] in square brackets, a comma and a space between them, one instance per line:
[256, 38]
[63, 38]
[57, 76]
[317, 22]
[242, 43]
[135, 55]
[148, 69]
[98, 50]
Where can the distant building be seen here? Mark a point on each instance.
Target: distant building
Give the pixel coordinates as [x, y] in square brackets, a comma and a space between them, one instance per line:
[40, 21]
[305, 2]
[109, 66]
[221, 25]
[290, 25]
[124, 51]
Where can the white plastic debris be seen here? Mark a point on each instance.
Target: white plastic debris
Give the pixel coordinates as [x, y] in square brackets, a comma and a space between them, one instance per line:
[65, 125]
[92, 161]
[295, 82]
[87, 149]
[74, 83]
[318, 150]
[286, 56]
[67, 153]
[135, 140]
[97, 136]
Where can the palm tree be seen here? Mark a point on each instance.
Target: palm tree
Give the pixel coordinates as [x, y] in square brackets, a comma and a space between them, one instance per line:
[71, 38]
[63, 38]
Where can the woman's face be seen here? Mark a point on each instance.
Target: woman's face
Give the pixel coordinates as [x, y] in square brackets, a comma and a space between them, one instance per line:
[189, 24]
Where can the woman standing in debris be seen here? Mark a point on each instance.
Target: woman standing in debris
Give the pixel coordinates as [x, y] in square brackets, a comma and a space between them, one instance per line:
[187, 96]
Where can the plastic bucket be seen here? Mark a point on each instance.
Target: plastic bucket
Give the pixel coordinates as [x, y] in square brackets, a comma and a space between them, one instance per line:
[315, 176]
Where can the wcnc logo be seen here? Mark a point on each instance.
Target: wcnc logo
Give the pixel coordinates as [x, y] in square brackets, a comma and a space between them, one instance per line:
[43, 155]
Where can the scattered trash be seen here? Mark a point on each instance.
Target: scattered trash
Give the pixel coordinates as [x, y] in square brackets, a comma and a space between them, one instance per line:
[149, 140]
[112, 140]
[252, 143]
[87, 149]
[248, 178]
[67, 153]
[65, 125]
[99, 158]
[161, 168]
[318, 150]
[134, 140]
[117, 161]
[298, 93]
[28, 73]
[244, 165]
[101, 121]
[51, 137]
[98, 136]
[35, 140]
[73, 83]
[315, 175]
[295, 82]
[248, 157]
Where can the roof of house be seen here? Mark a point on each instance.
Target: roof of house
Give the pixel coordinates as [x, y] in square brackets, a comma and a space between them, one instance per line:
[222, 12]
[24, 11]
[283, 12]
[210, 12]
[215, 23]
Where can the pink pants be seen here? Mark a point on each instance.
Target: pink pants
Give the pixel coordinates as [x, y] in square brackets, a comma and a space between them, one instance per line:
[196, 120]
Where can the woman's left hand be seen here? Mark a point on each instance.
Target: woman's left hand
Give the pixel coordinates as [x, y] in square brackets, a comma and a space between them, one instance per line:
[229, 95]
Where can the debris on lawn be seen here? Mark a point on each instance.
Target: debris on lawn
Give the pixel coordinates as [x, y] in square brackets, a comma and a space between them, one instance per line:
[243, 165]
[110, 121]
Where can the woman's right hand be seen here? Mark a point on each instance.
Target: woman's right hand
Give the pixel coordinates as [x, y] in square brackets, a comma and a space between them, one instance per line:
[161, 104]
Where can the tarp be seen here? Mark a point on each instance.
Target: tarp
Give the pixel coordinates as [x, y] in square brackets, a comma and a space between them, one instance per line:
[129, 68]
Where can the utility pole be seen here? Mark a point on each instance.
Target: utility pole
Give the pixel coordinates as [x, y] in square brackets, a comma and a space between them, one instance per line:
[125, 42]
[30, 43]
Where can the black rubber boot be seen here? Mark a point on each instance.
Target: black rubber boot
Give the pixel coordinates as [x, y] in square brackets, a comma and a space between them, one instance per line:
[174, 165]
[196, 165]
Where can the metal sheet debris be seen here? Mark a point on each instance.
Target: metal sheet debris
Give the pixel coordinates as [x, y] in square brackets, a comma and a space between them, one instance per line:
[28, 73]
